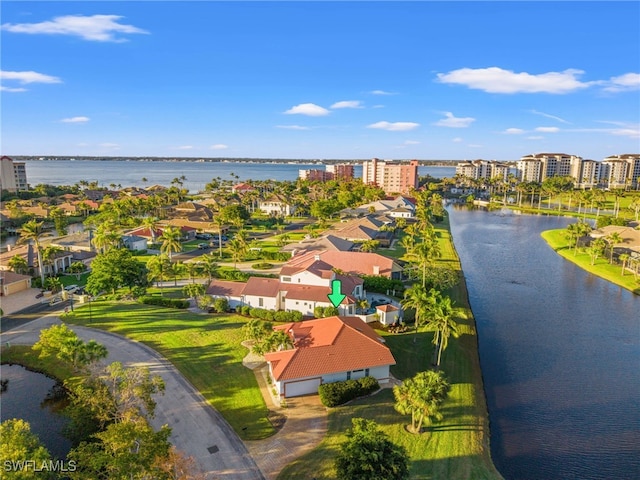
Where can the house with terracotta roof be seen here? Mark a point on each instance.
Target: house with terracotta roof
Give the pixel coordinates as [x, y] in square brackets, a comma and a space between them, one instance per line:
[11, 282]
[327, 350]
[355, 263]
[301, 287]
[231, 291]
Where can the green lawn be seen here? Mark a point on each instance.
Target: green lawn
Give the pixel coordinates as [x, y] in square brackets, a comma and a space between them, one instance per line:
[558, 241]
[205, 348]
[457, 447]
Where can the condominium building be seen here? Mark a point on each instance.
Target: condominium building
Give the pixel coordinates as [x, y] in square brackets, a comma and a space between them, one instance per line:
[619, 171]
[13, 175]
[540, 166]
[590, 176]
[341, 171]
[485, 169]
[392, 177]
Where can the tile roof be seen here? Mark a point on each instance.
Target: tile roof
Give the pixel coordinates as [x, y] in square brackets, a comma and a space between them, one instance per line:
[329, 345]
[360, 263]
[262, 287]
[9, 277]
[314, 293]
[224, 288]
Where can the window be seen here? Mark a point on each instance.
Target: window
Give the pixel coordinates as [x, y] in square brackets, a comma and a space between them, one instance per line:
[261, 302]
[286, 279]
[366, 372]
[348, 375]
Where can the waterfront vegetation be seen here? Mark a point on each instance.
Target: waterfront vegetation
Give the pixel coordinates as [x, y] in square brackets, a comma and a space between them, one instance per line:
[602, 267]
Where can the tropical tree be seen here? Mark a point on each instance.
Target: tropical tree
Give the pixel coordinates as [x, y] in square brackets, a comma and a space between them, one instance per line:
[54, 284]
[417, 299]
[612, 240]
[171, 241]
[624, 258]
[159, 267]
[78, 268]
[209, 265]
[18, 264]
[151, 223]
[596, 249]
[49, 254]
[194, 290]
[114, 269]
[440, 311]
[369, 245]
[238, 250]
[63, 343]
[368, 454]
[421, 397]
[17, 444]
[32, 231]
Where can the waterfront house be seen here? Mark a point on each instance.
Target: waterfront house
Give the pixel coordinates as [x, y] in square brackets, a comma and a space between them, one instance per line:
[327, 350]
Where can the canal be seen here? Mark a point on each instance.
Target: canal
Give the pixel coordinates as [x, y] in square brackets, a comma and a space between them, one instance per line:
[559, 349]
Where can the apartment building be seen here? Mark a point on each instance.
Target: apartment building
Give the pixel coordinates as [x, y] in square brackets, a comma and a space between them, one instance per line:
[619, 171]
[393, 177]
[540, 166]
[340, 171]
[482, 169]
[13, 175]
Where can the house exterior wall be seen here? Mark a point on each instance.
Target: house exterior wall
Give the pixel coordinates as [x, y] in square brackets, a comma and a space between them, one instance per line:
[380, 373]
[307, 278]
[255, 301]
[14, 287]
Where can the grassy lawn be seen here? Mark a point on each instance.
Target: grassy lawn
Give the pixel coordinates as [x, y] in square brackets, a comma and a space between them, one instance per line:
[205, 348]
[602, 268]
[25, 356]
[457, 447]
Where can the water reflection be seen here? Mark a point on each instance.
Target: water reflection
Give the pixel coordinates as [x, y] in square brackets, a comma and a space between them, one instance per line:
[560, 351]
[38, 400]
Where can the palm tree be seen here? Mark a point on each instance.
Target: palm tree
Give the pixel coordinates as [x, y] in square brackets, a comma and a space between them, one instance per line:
[32, 231]
[209, 265]
[171, 241]
[624, 258]
[151, 223]
[49, 254]
[613, 239]
[416, 298]
[421, 397]
[18, 264]
[238, 250]
[441, 322]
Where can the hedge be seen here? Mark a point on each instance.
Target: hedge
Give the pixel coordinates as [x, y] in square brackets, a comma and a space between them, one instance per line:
[165, 302]
[337, 393]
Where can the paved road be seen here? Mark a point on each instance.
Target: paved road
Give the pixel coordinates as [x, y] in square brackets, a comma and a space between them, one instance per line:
[197, 429]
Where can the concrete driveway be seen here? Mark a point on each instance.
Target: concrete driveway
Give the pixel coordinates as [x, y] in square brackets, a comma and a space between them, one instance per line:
[198, 430]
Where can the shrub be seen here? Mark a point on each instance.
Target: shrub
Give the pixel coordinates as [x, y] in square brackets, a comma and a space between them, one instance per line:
[262, 266]
[337, 393]
[245, 310]
[220, 305]
[164, 302]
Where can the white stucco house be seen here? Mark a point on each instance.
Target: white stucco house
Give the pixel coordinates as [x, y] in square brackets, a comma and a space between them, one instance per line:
[328, 350]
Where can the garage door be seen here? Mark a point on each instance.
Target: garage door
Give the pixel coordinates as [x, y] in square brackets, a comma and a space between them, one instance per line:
[303, 387]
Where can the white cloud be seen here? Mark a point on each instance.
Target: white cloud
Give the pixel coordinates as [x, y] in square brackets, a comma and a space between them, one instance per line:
[293, 127]
[535, 137]
[310, 109]
[549, 116]
[457, 140]
[381, 92]
[348, 104]
[411, 142]
[185, 147]
[513, 131]
[113, 146]
[394, 126]
[498, 80]
[98, 28]
[218, 146]
[28, 77]
[547, 129]
[10, 89]
[627, 132]
[621, 83]
[75, 120]
[454, 122]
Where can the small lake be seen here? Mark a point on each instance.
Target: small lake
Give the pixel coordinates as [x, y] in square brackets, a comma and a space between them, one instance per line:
[32, 397]
[559, 350]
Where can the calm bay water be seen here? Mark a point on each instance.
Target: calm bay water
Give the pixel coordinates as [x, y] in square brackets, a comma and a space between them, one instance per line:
[28, 397]
[198, 174]
[559, 349]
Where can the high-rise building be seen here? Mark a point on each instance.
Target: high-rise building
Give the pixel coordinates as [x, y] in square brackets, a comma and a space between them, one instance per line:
[392, 177]
[13, 175]
[540, 166]
[341, 171]
[486, 169]
[620, 171]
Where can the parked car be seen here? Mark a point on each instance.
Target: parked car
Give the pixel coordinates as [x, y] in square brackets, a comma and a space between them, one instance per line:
[71, 288]
[203, 246]
[203, 236]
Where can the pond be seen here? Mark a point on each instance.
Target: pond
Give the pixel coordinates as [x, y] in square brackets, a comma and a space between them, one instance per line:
[559, 350]
[39, 400]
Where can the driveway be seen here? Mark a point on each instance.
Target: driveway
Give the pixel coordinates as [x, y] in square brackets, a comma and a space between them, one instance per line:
[198, 430]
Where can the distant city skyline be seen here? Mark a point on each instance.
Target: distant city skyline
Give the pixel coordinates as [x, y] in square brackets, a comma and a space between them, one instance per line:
[313, 80]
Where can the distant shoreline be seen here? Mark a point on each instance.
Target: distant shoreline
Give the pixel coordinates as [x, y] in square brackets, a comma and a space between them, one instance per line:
[324, 161]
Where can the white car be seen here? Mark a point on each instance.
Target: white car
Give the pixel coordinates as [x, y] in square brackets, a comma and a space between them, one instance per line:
[71, 288]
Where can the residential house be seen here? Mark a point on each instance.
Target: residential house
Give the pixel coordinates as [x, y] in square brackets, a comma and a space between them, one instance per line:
[231, 291]
[277, 206]
[398, 207]
[326, 242]
[328, 350]
[355, 263]
[134, 242]
[11, 282]
[371, 227]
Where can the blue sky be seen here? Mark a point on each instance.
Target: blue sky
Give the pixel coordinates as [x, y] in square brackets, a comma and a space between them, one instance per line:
[307, 80]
